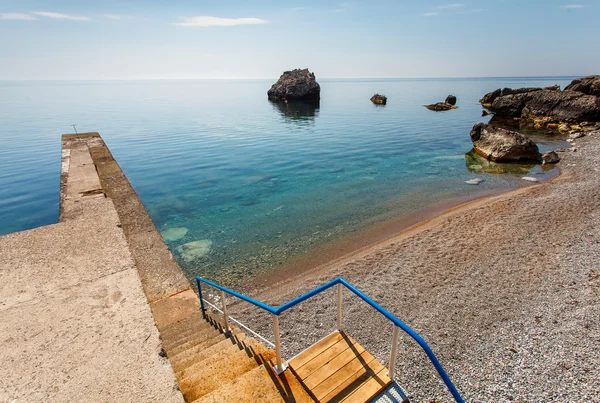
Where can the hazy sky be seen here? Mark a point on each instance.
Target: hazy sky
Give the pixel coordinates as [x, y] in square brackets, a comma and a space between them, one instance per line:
[139, 39]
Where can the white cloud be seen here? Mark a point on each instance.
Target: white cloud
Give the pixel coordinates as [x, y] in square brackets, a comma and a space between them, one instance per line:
[113, 17]
[472, 11]
[59, 16]
[430, 14]
[206, 21]
[451, 6]
[572, 6]
[16, 16]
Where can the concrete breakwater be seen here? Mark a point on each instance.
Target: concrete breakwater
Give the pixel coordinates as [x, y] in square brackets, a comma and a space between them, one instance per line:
[81, 301]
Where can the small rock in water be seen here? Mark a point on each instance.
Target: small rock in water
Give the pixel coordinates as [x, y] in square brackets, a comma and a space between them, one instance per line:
[194, 250]
[174, 234]
[550, 157]
[379, 99]
[530, 179]
[451, 99]
[475, 181]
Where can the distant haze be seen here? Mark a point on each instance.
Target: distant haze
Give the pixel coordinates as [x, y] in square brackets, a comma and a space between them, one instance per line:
[112, 39]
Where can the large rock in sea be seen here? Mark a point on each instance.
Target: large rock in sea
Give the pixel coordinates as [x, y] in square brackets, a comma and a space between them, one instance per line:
[296, 85]
[497, 144]
[451, 99]
[589, 85]
[577, 103]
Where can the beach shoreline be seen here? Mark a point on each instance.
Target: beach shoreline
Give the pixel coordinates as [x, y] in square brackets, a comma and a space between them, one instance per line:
[371, 237]
[505, 289]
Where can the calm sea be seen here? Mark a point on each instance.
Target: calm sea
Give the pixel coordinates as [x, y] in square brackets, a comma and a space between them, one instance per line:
[237, 184]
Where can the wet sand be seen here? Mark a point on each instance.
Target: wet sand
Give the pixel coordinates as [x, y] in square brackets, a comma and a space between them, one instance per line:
[506, 290]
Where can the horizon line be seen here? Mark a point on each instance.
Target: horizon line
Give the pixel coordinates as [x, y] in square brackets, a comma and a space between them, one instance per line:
[271, 78]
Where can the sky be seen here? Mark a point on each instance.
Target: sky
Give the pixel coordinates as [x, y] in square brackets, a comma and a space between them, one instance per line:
[185, 39]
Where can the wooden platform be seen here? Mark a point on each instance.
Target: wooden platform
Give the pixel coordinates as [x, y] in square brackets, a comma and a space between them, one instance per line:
[338, 369]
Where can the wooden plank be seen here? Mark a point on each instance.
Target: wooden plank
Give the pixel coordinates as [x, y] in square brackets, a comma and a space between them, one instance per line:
[336, 364]
[314, 350]
[324, 360]
[345, 376]
[369, 389]
[354, 381]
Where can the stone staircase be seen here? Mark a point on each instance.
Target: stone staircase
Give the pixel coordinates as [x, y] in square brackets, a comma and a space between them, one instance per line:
[212, 366]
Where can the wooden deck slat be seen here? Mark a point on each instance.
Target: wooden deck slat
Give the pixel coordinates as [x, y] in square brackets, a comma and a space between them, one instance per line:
[353, 382]
[338, 369]
[344, 377]
[314, 350]
[322, 360]
[336, 364]
[369, 389]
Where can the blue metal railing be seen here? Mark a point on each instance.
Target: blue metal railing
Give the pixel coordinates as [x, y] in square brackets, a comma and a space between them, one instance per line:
[339, 282]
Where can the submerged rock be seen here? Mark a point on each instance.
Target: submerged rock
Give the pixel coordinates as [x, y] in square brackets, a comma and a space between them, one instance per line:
[477, 164]
[550, 158]
[194, 250]
[379, 99]
[497, 144]
[475, 181]
[174, 234]
[295, 85]
[440, 106]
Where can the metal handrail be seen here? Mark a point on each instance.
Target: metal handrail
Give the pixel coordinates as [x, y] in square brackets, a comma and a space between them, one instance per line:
[341, 281]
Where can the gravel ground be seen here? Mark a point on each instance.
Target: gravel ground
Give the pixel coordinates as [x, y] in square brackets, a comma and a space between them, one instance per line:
[506, 290]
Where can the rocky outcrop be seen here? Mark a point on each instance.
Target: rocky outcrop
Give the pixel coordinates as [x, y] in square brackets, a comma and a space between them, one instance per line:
[497, 144]
[295, 85]
[378, 99]
[449, 103]
[550, 105]
[589, 85]
[490, 97]
[440, 106]
[450, 99]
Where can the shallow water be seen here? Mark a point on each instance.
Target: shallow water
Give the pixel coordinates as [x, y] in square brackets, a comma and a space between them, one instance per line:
[251, 183]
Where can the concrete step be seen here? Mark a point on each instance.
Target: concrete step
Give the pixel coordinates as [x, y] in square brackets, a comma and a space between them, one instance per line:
[232, 344]
[174, 328]
[223, 354]
[262, 384]
[189, 334]
[197, 349]
[201, 338]
[215, 373]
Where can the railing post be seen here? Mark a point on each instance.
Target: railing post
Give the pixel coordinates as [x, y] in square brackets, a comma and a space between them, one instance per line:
[224, 309]
[339, 307]
[394, 352]
[201, 299]
[280, 367]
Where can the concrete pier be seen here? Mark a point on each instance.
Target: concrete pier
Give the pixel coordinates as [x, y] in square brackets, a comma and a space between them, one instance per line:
[75, 322]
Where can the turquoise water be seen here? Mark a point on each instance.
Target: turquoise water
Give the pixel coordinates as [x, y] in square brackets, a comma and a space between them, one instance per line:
[253, 184]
